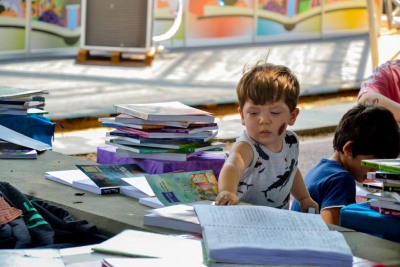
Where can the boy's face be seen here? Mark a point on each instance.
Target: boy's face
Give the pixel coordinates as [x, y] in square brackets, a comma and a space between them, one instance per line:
[267, 123]
[353, 165]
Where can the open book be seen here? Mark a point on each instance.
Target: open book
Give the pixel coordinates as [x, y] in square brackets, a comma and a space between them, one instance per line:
[134, 243]
[265, 235]
[178, 217]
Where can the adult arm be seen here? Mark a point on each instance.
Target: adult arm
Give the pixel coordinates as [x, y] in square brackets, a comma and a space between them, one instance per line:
[239, 159]
[373, 98]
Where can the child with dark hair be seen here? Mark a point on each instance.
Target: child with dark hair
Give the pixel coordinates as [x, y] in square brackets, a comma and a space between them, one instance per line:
[262, 165]
[364, 132]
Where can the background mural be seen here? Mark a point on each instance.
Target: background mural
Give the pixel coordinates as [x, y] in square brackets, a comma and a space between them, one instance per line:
[55, 24]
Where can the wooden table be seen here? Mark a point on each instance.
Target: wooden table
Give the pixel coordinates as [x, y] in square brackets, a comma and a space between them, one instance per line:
[114, 213]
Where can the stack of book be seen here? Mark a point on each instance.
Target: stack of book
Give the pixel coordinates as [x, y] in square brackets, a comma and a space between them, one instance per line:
[385, 185]
[19, 101]
[10, 150]
[161, 131]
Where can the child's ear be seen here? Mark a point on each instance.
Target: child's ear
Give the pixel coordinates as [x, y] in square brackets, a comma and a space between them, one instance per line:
[241, 115]
[347, 149]
[293, 116]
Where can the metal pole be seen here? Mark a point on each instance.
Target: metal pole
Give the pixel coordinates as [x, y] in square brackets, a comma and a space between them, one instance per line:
[28, 26]
[373, 33]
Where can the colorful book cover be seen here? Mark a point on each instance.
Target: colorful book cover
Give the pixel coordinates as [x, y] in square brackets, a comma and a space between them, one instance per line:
[109, 175]
[184, 187]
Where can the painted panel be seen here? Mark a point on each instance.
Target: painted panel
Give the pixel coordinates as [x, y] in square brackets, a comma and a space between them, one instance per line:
[165, 18]
[219, 22]
[56, 23]
[12, 25]
[288, 19]
[345, 16]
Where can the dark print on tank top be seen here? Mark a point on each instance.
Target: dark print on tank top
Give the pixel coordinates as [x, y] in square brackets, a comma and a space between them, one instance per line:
[282, 180]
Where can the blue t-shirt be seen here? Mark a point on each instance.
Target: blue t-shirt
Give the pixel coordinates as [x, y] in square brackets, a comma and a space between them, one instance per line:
[330, 185]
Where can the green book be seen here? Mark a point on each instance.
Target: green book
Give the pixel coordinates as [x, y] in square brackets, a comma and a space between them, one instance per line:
[183, 187]
[189, 148]
[388, 165]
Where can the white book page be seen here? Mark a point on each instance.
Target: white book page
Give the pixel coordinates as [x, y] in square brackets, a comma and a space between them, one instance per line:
[146, 244]
[240, 230]
[141, 184]
[68, 176]
[259, 216]
[151, 262]
[180, 212]
[274, 239]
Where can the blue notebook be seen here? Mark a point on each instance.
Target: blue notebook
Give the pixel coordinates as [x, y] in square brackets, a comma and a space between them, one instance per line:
[362, 218]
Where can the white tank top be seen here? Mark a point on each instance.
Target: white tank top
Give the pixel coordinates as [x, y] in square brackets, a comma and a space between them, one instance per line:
[269, 178]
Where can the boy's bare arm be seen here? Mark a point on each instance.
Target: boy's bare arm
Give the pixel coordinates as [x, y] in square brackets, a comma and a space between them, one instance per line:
[331, 215]
[239, 159]
[300, 193]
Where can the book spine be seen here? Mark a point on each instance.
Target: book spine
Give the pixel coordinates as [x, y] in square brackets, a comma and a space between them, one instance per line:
[381, 186]
[135, 132]
[387, 168]
[388, 181]
[109, 191]
[391, 188]
[389, 212]
[123, 134]
[378, 204]
[150, 140]
[387, 175]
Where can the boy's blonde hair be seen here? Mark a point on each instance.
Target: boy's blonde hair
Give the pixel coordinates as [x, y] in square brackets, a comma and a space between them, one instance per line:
[267, 83]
